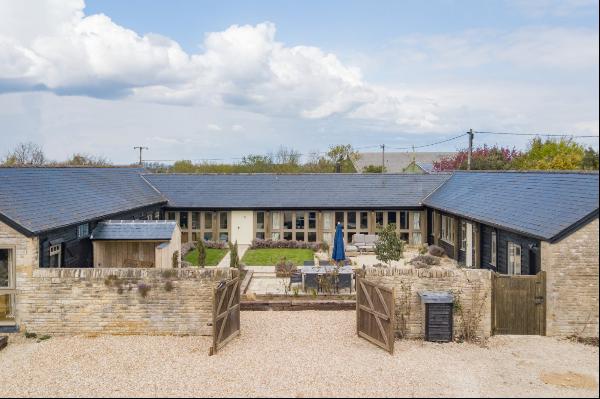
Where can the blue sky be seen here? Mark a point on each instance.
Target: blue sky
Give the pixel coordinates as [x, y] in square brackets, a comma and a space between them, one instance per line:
[204, 80]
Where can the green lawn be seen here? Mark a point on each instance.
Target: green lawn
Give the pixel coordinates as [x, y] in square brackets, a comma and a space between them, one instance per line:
[213, 256]
[271, 256]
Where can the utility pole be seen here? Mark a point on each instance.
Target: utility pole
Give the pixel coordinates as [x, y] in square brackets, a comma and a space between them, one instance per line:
[141, 148]
[470, 133]
[382, 158]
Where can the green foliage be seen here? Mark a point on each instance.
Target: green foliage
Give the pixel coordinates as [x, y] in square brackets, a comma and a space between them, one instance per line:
[271, 256]
[25, 154]
[563, 154]
[201, 248]
[590, 159]
[374, 169]
[234, 259]
[389, 246]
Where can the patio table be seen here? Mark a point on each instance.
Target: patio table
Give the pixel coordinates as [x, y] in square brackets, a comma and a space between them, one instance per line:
[310, 274]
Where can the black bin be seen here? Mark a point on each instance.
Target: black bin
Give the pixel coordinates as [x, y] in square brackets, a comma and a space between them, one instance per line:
[438, 315]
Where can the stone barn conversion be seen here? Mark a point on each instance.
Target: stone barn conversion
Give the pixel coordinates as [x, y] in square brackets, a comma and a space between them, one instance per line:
[73, 240]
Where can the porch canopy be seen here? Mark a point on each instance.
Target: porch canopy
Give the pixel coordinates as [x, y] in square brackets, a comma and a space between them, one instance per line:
[135, 243]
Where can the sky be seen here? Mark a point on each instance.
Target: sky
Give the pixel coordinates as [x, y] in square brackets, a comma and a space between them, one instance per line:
[207, 80]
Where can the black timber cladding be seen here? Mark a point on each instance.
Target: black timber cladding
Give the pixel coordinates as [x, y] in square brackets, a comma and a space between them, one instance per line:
[43, 199]
[295, 191]
[438, 315]
[542, 205]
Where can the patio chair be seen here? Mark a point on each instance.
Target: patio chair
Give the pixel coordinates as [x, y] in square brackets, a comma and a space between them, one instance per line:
[295, 277]
[345, 281]
[310, 281]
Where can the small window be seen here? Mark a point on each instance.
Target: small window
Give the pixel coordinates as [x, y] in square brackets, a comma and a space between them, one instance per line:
[391, 218]
[351, 220]
[463, 235]
[514, 258]
[494, 251]
[55, 252]
[223, 222]
[260, 220]
[379, 220]
[260, 235]
[299, 221]
[364, 220]
[208, 220]
[83, 230]
[183, 220]
[312, 220]
[448, 229]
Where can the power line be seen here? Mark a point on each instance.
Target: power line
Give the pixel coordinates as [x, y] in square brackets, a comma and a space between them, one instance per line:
[431, 144]
[537, 134]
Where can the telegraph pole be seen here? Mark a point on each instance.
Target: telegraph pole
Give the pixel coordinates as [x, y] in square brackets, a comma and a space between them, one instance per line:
[382, 146]
[141, 148]
[470, 133]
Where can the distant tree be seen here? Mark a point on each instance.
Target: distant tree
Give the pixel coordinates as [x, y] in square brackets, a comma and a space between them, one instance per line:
[25, 154]
[389, 246]
[590, 159]
[484, 158]
[562, 154]
[183, 166]
[343, 158]
[79, 159]
[285, 155]
[374, 169]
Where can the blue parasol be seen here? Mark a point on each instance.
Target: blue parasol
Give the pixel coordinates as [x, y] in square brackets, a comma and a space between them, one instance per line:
[338, 244]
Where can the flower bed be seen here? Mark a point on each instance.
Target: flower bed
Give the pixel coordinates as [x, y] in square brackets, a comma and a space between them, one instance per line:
[258, 243]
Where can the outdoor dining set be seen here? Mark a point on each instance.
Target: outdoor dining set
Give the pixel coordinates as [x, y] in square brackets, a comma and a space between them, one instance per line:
[323, 278]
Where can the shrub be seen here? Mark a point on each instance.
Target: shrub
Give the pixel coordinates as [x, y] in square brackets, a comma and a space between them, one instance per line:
[201, 247]
[258, 243]
[389, 247]
[284, 268]
[428, 260]
[436, 251]
[234, 259]
[423, 249]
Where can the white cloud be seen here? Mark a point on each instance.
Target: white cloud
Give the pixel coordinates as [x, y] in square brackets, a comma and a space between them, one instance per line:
[214, 127]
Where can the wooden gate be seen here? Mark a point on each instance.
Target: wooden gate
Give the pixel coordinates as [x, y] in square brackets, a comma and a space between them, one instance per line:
[519, 304]
[375, 313]
[226, 313]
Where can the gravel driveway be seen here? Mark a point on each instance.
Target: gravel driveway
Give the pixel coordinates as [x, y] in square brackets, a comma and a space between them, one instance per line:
[298, 354]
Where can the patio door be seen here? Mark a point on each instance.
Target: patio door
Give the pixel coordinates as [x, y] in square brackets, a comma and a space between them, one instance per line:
[7, 285]
[469, 245]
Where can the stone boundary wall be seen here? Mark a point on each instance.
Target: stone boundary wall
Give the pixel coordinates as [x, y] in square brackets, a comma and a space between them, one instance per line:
[472, 289]
[117, 301]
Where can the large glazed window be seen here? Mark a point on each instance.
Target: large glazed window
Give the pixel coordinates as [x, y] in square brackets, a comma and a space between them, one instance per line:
[7, 285]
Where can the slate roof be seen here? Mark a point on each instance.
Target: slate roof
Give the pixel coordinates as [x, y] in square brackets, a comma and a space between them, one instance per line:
[397, 162]
[139, 230]
[41, 199]
[544, 205]
[309, 191]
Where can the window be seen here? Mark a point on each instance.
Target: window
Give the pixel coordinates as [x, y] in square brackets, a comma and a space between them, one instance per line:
[55, 252]
[448, 229]
[170, 215]
[260, 220]
[83, 230]
[208, 220]
[312, 221]
[195, 221]
[351, 221]
[463, 235]
[223, 222]
[364, 220]
[183, 220]
[514, 258]
[275, 221]
[260, 235]
[7, 285]
[287, 220]
[404, 220]
[391, 217]
[379, 220]
[494, 250]
[339, 218]
[299, 221]
[416, 221]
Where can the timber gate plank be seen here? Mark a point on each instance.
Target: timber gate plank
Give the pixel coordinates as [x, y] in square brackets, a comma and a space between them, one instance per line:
[226, 313]
[375, 313]
[519, 304]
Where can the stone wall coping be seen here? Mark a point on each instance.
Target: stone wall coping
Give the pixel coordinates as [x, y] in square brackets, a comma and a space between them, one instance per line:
[101, 273]
[427, 273]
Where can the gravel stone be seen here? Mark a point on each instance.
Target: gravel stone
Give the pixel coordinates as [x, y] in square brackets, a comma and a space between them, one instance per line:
[291, 354]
